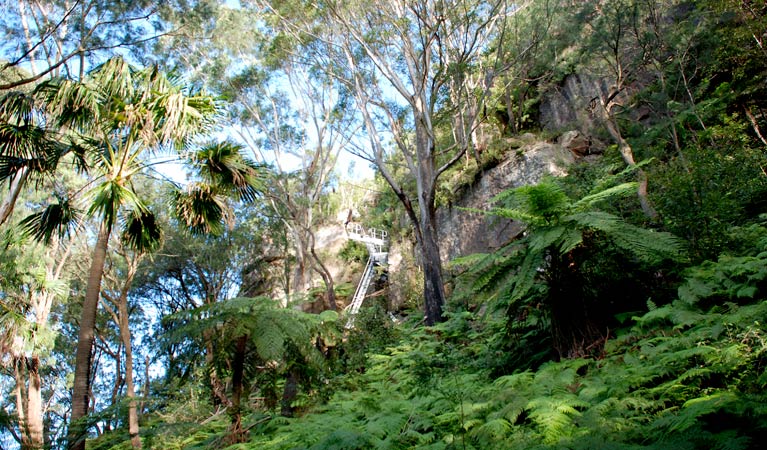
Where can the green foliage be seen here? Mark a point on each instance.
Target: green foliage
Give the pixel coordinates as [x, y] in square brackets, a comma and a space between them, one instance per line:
[729, 279]
[269, 327]
[561, 274]
[353, 252]
[672, 383]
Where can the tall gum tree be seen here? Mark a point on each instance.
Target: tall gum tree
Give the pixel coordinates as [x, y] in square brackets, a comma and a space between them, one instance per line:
[287, 115]
[303, 125]
[34, 280]
[417, 75]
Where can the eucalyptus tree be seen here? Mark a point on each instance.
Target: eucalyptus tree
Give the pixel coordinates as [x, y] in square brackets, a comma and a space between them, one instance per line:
[416, 73]
[54, 38]
[301, 130]
[32, 281]
[288, 116]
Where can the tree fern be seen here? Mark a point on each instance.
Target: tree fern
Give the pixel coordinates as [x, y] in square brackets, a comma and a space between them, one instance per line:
[548, 265]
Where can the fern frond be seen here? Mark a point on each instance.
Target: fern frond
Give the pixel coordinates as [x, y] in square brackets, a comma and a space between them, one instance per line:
[615, 191]
[528, 272]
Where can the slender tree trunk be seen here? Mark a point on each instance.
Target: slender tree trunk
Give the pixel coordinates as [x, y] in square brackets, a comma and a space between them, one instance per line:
[627, 153]
[300, 281]
[289, 393]
[238, 366]
[81, 389]
[216, 386]
[327, 278]
[121, 317]
[130, 391]
[146, 386]
[6, 207]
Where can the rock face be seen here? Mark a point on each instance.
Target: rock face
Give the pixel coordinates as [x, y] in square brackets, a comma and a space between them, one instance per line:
[568, 105]
[463, 232]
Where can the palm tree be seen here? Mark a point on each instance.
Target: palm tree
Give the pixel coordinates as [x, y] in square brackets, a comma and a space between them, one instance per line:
[122, 115]
[552, 265]
[28, 147]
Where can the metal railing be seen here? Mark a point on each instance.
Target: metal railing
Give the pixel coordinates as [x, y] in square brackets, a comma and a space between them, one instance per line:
[375, 241]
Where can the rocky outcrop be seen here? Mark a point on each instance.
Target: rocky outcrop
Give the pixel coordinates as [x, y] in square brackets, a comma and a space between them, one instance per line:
[463, 232]
[569, 105]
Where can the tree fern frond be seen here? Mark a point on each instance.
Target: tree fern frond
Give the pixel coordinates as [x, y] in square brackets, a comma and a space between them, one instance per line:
[269, 340]
[570, 240]
[545, 238]
[645, 244]
[528, 272]
[469, 260]
[506, 213]
[615, 191]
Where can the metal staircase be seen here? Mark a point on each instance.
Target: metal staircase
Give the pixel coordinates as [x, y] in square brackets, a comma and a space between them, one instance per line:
[375, 241]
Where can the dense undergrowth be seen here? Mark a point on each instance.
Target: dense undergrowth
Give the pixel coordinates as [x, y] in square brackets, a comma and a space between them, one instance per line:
[690, 374]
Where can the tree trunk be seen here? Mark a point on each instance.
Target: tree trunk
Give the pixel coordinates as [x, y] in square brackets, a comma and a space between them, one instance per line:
[216, 385]
[21, 403]
[81, 389]
[426, 179]
[130, 391]
[236, 434]
[327, 278]
[146, 386]
[627, 153]
[34, 411]
[289, 394]
[6, 207]
[433, 285]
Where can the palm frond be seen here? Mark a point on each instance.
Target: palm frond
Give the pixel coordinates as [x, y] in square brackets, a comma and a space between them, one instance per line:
[18, 108]
[108, 197]
[73, 105]
[25, 142]
[116, 78]
[200, 208]
[224, 165]
[141, 231]
[58, 219]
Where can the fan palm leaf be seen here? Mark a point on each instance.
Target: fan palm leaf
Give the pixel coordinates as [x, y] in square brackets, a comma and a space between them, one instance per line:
[25, 141]
[223, 165]
[201, 208]
[58, 219]
[141, 231]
